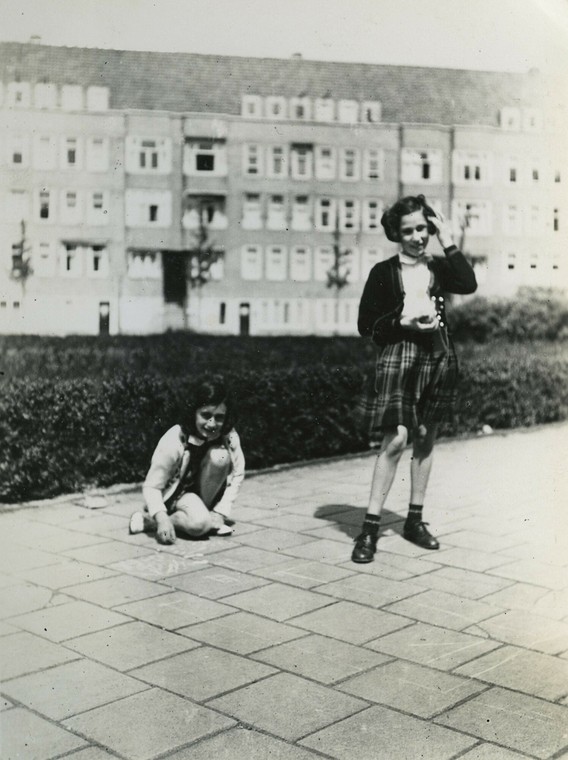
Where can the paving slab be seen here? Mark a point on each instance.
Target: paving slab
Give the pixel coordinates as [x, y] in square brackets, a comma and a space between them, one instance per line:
[26, 736]
[23, 652]
[322, 659]
[513, 720]
[129, 646]
[203, 673]
[305, 574]
[66, 621]
[351, 622]
[278, 602]
[527, 630]
[287, 706]
[377, 733]
[160, 722]
[522, 670]
[120, 589]
[72, 688]
[411, 688]
[446, 610]
[242, 633]
[175, 610]
[214, 582]
[243, 744]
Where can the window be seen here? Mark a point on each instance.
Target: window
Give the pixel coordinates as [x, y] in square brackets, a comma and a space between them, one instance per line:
[205, 156]
[371, 111]
[147, 208]
[510, 119]
[301, 213]
[477, 215]
[277, 161]
[71, 262]
[535, 170]
[300, 264]
[147, 155]
[275, 107]
[217, 268]
[222, 312]
[347, 111]
[471, 167]
[557, 176]
[532, 120]
[44, 260]
[555, 220]
[18, 95]
[18, 205]
[18, 152]
[325, 162]
[97, 154]
[45, 152]
[251, 106]
[351, 264]
[144, 265]
[45, 95]
[369, 257]
[324, 109]
[252, 212]
[276, 262]
[511, 260]
[276, 218]
[70, 211]
[325, 214]
[350, 164]
[97, 261]
[373, 164]
[533, 260]
[302, 160]
[70, 153]
[420, 167]
[322, 262]
[372, 212]
[512, 219]
[349, 215]
[534, 222]
[251, 262]
[98, 207]
[556, 260]
[71, 97]
[45, 211]
[300, 108]
[252, 160]
[97, 98]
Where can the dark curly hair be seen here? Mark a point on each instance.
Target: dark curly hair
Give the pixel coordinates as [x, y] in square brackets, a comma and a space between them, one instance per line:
[392, 216]
[210, 392]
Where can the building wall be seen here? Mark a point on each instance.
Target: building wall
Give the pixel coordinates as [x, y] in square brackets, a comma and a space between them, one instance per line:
[124, 189]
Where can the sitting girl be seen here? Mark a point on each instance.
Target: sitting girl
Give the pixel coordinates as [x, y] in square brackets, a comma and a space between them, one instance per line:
[195, 473]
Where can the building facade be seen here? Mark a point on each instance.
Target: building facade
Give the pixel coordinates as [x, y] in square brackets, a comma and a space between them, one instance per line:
[114, 163]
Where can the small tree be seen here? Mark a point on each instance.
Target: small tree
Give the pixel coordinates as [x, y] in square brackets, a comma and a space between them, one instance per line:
[202, 256]
[21, 261]
[338, 273]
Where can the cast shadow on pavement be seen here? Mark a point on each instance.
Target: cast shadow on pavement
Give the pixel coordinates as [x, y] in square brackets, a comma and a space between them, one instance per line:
[349, 518]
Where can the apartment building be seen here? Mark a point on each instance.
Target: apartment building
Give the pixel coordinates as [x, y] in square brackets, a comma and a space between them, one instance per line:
[113, 164]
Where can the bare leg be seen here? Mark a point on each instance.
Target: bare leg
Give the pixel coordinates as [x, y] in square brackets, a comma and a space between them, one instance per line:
[392, 448]
[191, 516]
[214, 471]
[421, 464]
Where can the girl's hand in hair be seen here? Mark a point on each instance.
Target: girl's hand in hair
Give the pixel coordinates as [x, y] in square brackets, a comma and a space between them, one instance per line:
[443, 229]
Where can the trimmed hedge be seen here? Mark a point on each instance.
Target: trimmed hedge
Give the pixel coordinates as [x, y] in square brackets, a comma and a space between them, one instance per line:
[534, 314]
[78, 434]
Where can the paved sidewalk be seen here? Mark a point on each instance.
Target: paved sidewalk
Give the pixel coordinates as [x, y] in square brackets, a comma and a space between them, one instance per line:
[272, 645]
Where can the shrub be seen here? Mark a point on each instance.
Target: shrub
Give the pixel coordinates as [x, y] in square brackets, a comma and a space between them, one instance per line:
[534, 314]
[82, 433]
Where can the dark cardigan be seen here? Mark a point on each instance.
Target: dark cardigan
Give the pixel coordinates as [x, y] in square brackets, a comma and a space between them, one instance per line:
[383, 297]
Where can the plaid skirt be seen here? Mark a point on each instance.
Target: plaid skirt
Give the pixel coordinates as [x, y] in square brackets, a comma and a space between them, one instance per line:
[413, 385]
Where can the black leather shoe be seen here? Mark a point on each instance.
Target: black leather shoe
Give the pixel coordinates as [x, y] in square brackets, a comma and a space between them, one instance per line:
[417, 532]
[365, 545]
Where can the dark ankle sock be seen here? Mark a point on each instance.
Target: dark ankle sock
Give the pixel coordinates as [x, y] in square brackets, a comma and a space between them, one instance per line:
[414, 512]
[372, 520]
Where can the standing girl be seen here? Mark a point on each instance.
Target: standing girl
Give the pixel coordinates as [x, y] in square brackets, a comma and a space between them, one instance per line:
[195, 473]
[402, 311]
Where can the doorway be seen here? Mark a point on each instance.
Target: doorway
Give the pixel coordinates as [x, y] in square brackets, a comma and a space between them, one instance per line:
[244, 319]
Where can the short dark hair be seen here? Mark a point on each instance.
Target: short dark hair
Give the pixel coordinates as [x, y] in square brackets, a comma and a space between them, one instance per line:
[212, 391]
[392, 216]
